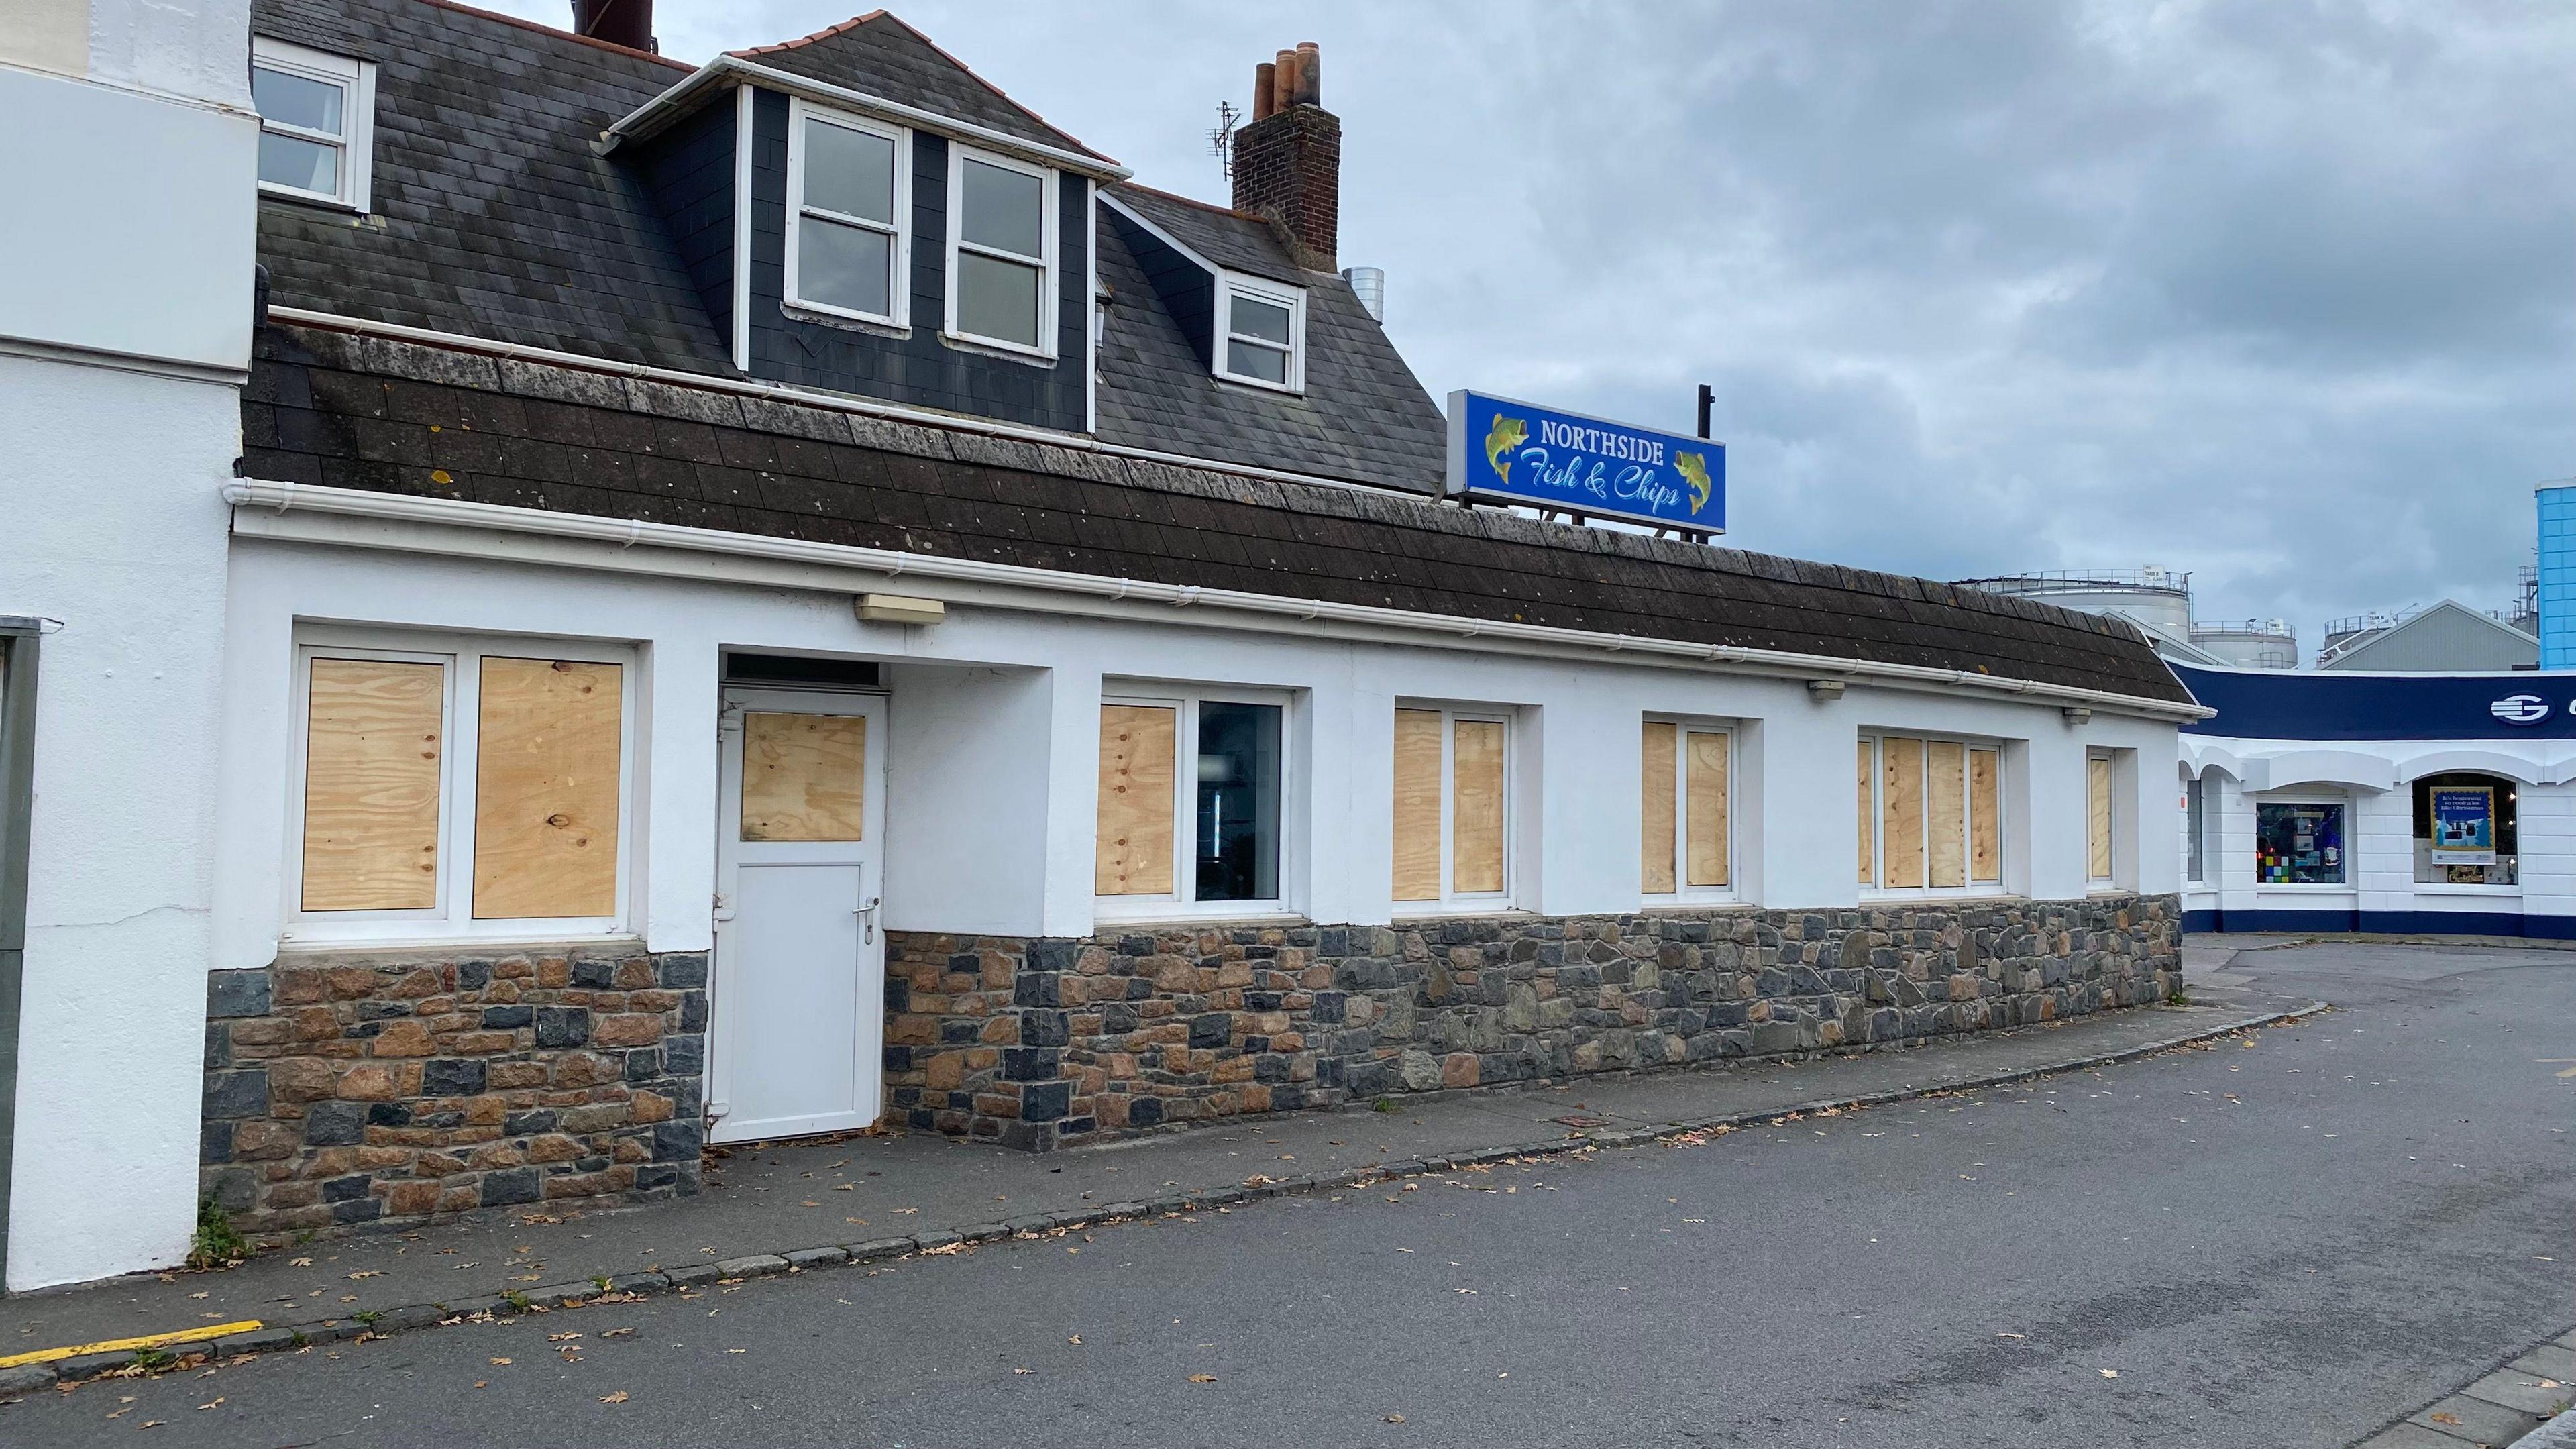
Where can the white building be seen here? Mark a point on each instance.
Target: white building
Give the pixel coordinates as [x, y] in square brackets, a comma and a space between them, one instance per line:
[766, 597]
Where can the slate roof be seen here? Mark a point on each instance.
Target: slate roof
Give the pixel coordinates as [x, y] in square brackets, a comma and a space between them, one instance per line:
[491, 217]
[1364, 415]
[880, 55]
[332, 409]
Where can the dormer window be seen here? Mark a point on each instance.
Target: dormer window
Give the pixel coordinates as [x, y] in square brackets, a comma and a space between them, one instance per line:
[1001, 252]
[848, 183]
[315, 110]
[1263, 326]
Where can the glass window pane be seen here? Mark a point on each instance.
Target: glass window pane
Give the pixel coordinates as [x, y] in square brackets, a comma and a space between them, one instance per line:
[844, 266]
[851, 172]
[1005, 209]
[1265, 320]
[295, 100]
[2298, 844]
[2193, 823]
[997, 299]
[294, 161]
[1238, 806]
[1246, 359]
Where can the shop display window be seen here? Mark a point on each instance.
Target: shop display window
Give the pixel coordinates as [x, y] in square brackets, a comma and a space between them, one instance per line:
[2299, 842]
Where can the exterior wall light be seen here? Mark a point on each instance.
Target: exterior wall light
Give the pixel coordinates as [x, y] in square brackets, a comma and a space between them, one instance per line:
[1824, 690]
[900, 609]
[2076, 714]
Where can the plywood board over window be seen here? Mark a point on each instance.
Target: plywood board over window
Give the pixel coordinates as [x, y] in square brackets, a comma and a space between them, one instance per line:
[546, 789]
[1945, 831]
[804, 776]
[1417, 804]
[1903, 794]
[1706, 796]
[1655, 807]
[372, 749]
[1476, 820]
[1985, 817]
[2097, 800]
[1868, 812]
[1137, 761]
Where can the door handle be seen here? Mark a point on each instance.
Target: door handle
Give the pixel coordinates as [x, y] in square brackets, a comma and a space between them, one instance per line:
[867, 926]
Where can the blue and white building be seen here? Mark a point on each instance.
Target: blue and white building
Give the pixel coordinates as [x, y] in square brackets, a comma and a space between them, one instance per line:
[2352, 801]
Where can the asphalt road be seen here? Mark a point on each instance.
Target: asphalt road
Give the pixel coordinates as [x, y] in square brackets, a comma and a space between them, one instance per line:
[2287, 1243]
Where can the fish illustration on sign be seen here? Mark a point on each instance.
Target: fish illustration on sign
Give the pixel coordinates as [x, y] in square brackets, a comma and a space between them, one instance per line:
[1505, 435]
[1694, 468]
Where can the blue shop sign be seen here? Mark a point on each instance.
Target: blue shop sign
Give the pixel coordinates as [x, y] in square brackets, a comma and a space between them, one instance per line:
[2325, 704]
[1502, 451]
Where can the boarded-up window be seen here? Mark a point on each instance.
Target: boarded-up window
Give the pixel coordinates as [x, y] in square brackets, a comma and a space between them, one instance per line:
[1476, 818]
[1417, 804]
[804, 776]
[1985, 817]
[1655, 807]
[2097, 801]
[1901, 793]
[1868, 812]
[1944, 809]
[374, 735]
[1136, 780]
[546, 789]
[1705, 793]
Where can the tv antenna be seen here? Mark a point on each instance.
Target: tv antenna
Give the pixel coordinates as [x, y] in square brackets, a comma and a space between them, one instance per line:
[1221, 140]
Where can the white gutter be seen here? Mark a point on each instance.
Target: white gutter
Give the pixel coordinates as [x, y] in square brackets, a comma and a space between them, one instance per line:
[628, 532]
[649, 117]
[799, 397]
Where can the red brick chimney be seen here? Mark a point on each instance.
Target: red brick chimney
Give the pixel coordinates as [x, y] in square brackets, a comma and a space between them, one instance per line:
[619, 22]
[1288, 161]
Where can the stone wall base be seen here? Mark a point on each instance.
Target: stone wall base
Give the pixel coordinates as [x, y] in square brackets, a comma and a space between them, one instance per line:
[388, 1087]
[1038, 1043]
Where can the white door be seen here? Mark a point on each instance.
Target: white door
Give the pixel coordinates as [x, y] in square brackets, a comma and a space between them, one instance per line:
[799, 1008]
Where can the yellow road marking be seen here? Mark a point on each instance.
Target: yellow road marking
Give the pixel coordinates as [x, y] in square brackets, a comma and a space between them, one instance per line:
[113, 1345]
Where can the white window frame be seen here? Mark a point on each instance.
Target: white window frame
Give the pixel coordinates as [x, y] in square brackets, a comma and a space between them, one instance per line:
[1277, 294]
[899, 285]
[357, 82]
[1973, 889]
[1048, 225]
[452, 919]
[1453, 901]
[1181, 901]
[1683, 892]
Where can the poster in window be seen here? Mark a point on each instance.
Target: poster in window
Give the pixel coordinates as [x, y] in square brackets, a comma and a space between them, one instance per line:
[2464, 825]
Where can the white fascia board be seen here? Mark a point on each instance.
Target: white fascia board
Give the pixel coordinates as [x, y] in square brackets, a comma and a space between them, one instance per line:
[733, 69]
[1214, 271]
[1049, 589]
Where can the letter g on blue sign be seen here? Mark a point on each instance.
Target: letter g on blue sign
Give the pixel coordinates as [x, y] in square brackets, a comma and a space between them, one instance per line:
[2520, 709]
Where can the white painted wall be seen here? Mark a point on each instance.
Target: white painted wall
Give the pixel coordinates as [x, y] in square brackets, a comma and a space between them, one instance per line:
[130, 174]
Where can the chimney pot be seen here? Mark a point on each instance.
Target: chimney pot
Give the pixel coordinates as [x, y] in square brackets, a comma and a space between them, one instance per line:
[1309, 90]
[619, 22]
[1264, 79]
[1283, 86]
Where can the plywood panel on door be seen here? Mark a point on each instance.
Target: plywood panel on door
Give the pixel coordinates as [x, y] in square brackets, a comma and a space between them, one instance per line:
[1706, 790]
[546, 789]
[1476, 820]
[373, 741]
[1134, 856]
[1985, 817]
[1655, 807]
[1417, 805]
[804, 776]
[1945, 772]
[1902, 789]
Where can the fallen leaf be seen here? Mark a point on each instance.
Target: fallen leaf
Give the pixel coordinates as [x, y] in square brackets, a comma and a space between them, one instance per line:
[502, 1361]
[561, 1337]
[2110, 1373]
[219, 1399]
[367, 1273]
[2444, 1418]
[478, 1383]
[1202, 1378]
[299, 1262]
[2011, 1335]
[201, 1295]
[1023, 1371]
[616, 1398]
[619, 1333]
[1077, 1338]
[1395, 1418]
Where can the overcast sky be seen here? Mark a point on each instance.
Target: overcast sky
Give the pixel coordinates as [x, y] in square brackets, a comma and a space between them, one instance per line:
[2280, 294]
